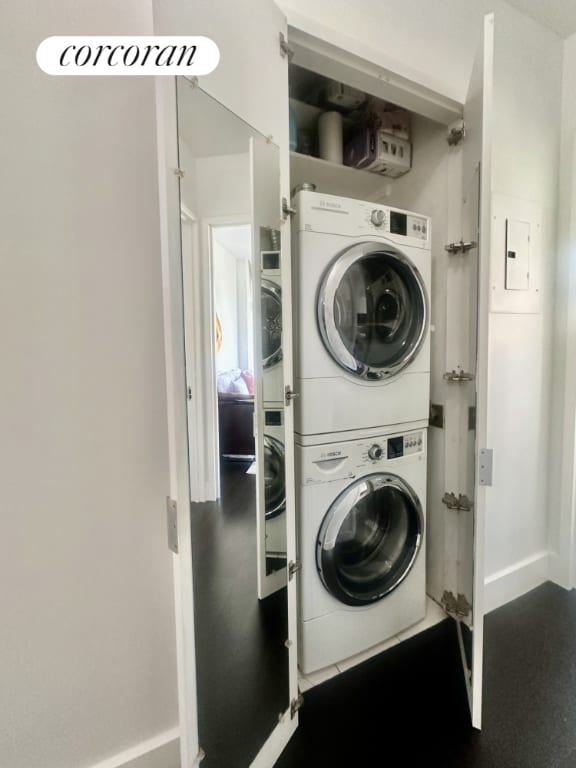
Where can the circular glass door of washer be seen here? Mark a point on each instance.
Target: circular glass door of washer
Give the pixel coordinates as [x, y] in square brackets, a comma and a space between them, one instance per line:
[372, 310]
[271, 308]
[274, 477]
[369, 539]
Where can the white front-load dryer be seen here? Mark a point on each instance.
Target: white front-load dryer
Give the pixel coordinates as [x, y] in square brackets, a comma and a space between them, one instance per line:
[362, 275]
[361, 532]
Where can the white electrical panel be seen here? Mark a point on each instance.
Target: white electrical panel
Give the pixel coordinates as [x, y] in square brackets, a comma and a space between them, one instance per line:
[517, 255]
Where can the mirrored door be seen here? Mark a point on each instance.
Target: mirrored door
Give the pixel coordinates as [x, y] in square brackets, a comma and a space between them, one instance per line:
[269, 362]
[230, 191]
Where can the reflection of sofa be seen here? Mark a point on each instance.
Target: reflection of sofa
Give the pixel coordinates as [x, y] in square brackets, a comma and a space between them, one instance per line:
[236, 424]
[236, 412]
[236, 382]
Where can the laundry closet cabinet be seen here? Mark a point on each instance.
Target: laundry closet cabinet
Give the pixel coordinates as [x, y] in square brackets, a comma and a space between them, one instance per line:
[479, 242]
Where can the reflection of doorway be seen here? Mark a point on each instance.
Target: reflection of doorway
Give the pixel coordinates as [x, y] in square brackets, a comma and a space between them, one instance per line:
[200, 380]
[232, 267]
[231, 257]
[216, 259]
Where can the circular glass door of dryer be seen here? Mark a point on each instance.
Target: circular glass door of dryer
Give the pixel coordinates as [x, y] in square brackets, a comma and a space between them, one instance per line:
[372, 310]
[271, 308]
[274, 477]
[369, 539]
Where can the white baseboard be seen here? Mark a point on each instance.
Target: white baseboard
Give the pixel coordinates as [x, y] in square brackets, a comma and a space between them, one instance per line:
[515, 581]
[162, 751]
[559, 571]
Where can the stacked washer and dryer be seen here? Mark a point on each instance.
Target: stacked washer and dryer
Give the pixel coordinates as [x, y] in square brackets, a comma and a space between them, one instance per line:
[362, 371]
[273, 405]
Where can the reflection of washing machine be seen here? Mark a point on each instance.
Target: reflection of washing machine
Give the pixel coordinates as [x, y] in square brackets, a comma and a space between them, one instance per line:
[271, 332]
[362, 313]
[361, 543]
[274, 482]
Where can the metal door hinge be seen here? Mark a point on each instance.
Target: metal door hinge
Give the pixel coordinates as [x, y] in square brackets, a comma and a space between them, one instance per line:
[456, 133]
[457, 607]
[286, 209]
[459, 376]
[293, 567]
[295, 705]
[461, 247]
[460, 502]
[172, 524]
[286, 51]
[189, 392]
[485, 466]
[179, 172]
[289, 395]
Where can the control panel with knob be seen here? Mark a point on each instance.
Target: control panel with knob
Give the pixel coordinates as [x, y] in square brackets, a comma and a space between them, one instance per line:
[377, 217]
[375, 452]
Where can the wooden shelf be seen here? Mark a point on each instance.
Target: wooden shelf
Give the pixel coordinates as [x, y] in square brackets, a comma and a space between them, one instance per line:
[335, 179]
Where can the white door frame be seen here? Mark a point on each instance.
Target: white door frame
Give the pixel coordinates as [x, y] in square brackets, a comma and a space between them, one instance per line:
[201, 380]
[200, 345]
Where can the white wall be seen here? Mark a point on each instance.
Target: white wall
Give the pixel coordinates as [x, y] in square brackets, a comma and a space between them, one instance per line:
[215, 187]
[217, 190]
[226, 305]
[223, 186]
[525, 167]
[87, 647]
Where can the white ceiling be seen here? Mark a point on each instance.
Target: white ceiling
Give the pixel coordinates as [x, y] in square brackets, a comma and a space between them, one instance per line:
[557, 15]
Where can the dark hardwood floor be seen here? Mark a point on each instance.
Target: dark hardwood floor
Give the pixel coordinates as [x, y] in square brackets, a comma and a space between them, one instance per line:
[242, 663]
[407, 707]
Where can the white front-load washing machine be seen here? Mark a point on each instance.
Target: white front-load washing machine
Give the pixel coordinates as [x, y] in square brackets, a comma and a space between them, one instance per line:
[274, 482]
[362, 302]
[361, 532]
[271, 330]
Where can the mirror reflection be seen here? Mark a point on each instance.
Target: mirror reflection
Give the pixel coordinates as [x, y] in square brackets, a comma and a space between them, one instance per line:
[270, 338]
[231, 260]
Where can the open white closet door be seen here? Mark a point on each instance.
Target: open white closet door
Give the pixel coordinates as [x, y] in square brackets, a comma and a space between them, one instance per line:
[269, 400]
[467, 461]
[251, 84]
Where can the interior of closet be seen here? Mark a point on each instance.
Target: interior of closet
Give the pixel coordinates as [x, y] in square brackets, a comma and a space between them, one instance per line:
[429, 183]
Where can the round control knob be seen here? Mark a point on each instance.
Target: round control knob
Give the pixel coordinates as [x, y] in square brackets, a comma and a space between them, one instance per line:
[377, 217]
[375, 452]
